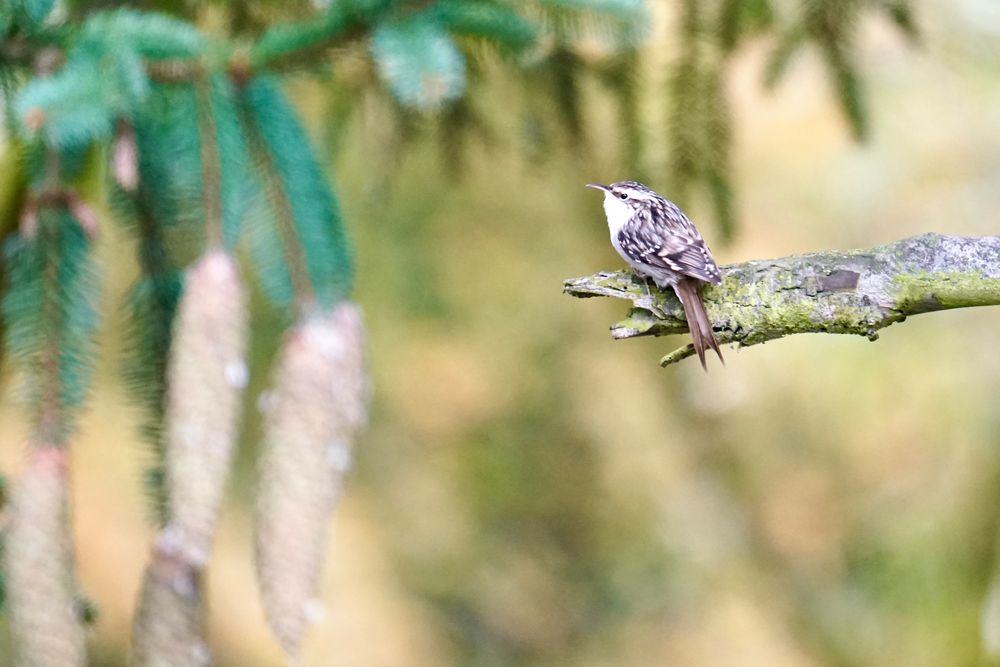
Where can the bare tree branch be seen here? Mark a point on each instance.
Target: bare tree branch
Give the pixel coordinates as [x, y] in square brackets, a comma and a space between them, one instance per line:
[853, 292]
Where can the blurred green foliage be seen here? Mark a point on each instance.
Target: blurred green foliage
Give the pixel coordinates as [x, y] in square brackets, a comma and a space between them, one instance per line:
[545, 497]
[51, 315]
[3, 504]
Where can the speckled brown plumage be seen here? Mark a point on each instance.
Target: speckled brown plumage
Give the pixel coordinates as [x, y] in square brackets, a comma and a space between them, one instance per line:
[659, 241]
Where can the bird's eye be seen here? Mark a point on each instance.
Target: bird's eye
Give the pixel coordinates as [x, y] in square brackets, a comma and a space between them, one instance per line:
[623, 196]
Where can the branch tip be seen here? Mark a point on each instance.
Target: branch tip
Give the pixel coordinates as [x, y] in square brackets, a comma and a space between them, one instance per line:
[678, 355]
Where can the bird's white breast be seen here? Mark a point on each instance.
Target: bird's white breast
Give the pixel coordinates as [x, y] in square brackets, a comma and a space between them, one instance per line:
[617, 212]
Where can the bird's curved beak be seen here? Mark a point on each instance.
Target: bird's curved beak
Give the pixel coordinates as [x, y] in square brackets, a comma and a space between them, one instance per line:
[598, 186]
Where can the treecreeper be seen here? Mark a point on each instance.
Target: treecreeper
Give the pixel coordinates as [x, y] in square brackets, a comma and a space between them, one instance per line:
[660, 242]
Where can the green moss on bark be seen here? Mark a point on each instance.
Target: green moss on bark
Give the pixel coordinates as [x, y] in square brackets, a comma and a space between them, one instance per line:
[853, 292]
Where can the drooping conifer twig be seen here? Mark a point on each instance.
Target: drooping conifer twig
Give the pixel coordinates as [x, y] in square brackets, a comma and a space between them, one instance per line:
[699, 117]
[306, 246]
[317, 399]
[49, 306]
[854, 292]
[206, 374]
[166, 151]
[281, 207]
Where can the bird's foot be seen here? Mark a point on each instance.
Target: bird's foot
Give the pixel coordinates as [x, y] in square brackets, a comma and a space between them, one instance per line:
[649, 301]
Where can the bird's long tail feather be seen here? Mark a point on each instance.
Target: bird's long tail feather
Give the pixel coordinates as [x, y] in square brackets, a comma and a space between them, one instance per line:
[698, 322]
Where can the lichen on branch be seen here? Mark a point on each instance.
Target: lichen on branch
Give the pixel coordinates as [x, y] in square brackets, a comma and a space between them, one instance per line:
[847, 292]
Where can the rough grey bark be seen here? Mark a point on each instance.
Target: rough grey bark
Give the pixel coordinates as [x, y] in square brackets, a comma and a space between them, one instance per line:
[853, 292]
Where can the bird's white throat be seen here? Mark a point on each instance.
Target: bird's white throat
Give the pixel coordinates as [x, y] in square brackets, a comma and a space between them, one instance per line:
[617, 212]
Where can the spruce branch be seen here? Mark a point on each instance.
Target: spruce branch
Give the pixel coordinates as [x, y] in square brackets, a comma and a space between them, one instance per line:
[832, 27]
[49, 310]
[152, 305]
[284, 217]
[854, 292]
[161, 214]
[211, 171]
[202, 394]
[488, 20]
[293, 43]
[621, 77]
[237, 187]
[700, 136]
[48, 307]
[304, 221]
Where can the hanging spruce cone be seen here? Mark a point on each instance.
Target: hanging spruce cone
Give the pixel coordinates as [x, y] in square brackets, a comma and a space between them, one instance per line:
[167, 630]
[41, 585]
[315, 408]
[206, 377]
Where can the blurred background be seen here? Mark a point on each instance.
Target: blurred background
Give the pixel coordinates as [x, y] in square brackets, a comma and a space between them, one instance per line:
[530, 492]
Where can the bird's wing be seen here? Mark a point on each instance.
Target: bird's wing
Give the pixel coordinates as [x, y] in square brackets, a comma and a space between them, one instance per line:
[690, 256]
[675, 245]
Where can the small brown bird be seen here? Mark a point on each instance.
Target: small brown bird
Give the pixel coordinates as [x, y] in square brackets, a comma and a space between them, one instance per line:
[659, 241]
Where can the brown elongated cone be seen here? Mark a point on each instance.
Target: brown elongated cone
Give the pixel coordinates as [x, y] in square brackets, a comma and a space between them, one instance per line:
[41, 584]
[206, 376]
[167, 629]
[316, 406]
